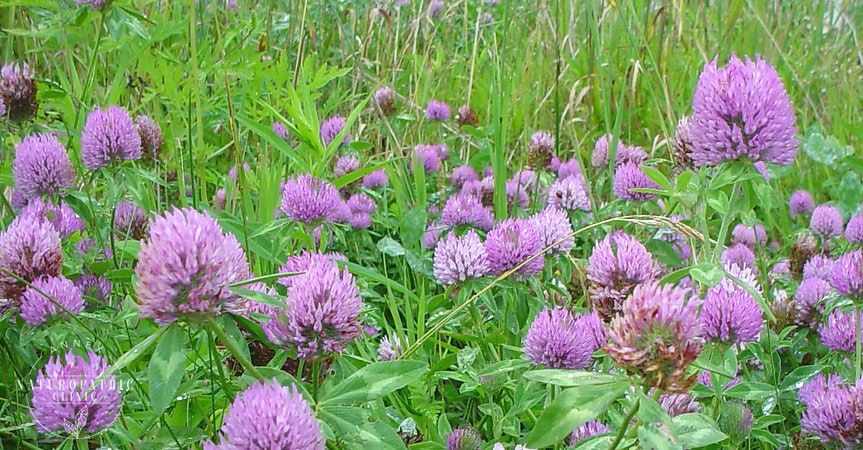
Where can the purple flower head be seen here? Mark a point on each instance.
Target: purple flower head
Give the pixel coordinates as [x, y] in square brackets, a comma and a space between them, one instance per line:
[331, 128]
[435, 11]
[593, 329]
[361, 203]
[761, 168]
[617, 264]
[360, 220]
[510, 243]
[464, 439]
[800, 202]
[437, 110]
[780, 271]
[629, 176]
[541, 143]
[834, 412]
[586, 431]
[458, 259]
[570, 168]
[41, 167]
[751, 237]
[524, 180]
[385, 99]
[826, 222]
[67, 398]
[517, 194]
[463, 209]
[18, 91]
[63, 298]
[810, 300]
[847, 274]
[568, 194]
[94, 287]
[461, 175]
[29, 249]
[819, 266]
[600, 151]
[151, 137]
[185, 267]
[220, 199]
[817, 386]
[854, 230]
[376, 179]
[130, 221]
[555, 341]
[309, 200]
[109, 136]
[554, 228]
[389, 349]
[730, 313]
[281, 130]
[657, 335]
[323, 310]
[345, 165]
[301, 263]
[232, 172]
[432, 235]
[838, 333]
[231, 5]
[427, 155]
[677, 404]
[268, 415]
[61, 216]
[742, 111]
[17, 200]
[740, 255]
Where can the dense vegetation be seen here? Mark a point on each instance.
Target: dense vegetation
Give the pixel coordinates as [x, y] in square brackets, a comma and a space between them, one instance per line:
[431, 224]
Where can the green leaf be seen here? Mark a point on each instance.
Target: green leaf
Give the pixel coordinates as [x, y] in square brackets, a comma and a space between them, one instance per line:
[412, 228]
[751, 390]
[825, 150]
[345, 419]
[849, 193]
[719, 359]
[657, 177]
[651, 438]
[601, 442]
[259, 297]
[571, 408]
[695, 430]
[378, 435]
[134, 353]
[798, 376]
[572, 378]
[166, 368]
[374, 381]
[707, 273]
[663, 251]
[390, 247]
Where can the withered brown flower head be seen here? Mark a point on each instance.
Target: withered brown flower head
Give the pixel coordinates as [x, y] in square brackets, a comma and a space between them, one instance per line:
[657, 336]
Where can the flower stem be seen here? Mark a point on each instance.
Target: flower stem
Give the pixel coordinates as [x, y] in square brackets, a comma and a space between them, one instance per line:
[857, 343]
[625, 424]
[316, 377]
[235, 351]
